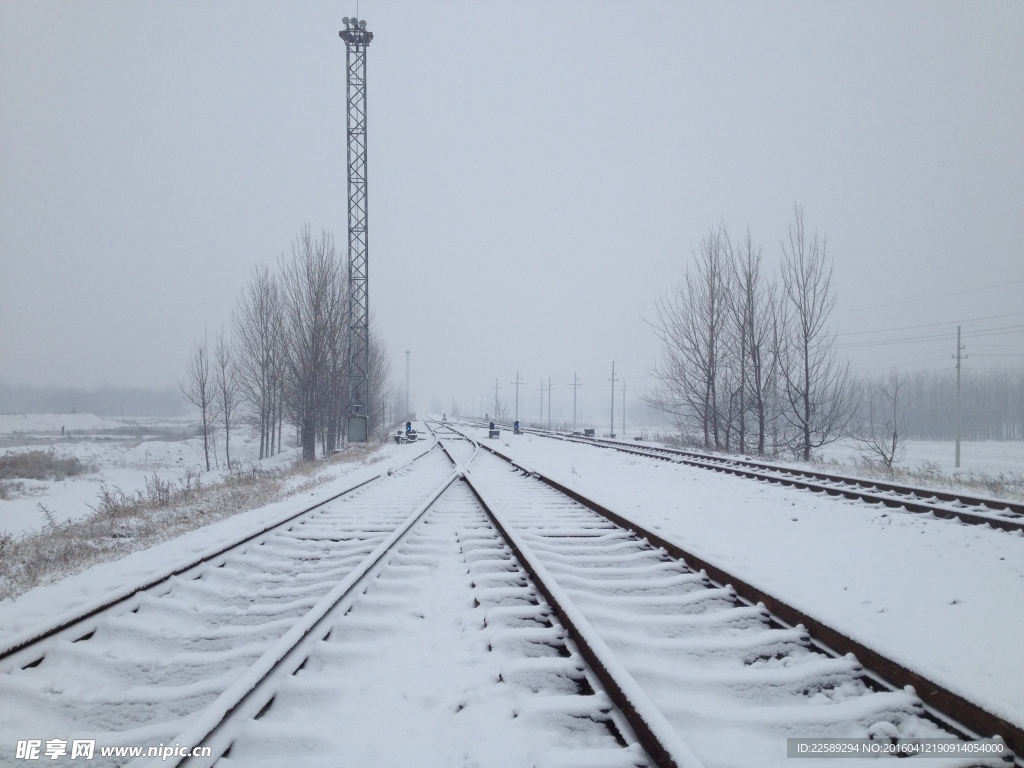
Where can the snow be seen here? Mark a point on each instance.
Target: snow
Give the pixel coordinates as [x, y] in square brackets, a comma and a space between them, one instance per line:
[989, 457]
[120, 461]
[36, 423]
[945, 599]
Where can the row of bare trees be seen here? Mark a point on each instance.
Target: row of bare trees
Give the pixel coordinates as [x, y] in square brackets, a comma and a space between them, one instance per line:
[211, 385]
[288, 362]
[749, 361]
[921, 405]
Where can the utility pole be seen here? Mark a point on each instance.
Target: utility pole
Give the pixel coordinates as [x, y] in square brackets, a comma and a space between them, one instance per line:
[549, 403]
[497, 386]
[407, 383]
[357, 39]
[611, 428]
[623, 409]
[575, 383]
[540, 420]
[517, 382]
[959, 349]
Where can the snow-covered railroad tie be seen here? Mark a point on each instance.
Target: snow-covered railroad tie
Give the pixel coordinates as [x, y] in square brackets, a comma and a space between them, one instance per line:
[733, 680]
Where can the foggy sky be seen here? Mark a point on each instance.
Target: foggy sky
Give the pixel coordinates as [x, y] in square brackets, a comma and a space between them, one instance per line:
[538, 174]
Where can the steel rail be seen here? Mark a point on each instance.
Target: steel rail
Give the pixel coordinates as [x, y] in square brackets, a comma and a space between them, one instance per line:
[913, 499]
[943, 704]
[248, 695]
[24, 640]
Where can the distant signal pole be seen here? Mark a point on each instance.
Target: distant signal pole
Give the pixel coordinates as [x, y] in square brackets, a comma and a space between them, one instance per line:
[549, 402]
[357, 38]
[611, 422]
[575, 383]
[958, 356]
[517, 382]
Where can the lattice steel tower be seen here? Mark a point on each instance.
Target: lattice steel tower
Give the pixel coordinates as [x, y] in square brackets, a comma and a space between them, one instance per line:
[356, 41]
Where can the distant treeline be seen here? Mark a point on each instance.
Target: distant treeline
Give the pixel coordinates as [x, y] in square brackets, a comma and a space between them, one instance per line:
[103, 401]
[992, 405]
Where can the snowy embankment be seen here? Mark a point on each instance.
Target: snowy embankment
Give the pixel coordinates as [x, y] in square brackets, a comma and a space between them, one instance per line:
[122, 455]
[945, 599]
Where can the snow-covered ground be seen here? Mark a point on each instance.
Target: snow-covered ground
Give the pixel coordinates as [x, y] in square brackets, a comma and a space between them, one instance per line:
[123, 454]
[945, 599]
[50, 424]
[990, 457]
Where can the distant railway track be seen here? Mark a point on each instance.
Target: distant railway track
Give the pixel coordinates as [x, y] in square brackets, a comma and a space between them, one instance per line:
[974, 510]
[554, 522]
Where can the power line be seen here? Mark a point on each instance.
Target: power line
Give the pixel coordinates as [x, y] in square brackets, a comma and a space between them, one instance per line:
[977, 334]
[932, 325]
[929, 298]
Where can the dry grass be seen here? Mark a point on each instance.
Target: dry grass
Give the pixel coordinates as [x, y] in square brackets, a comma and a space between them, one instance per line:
[11, 489]
[122, 523]
[40, 465]
[930, 475]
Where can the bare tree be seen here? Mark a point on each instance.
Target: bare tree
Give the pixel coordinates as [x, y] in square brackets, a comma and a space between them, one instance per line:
[816, 384]
[691, 323]
[335, 402]
[378, 381]
[313, 293]
[754, 317]
[258, 332]
[883, 431]
[199, 389]
[225, 381]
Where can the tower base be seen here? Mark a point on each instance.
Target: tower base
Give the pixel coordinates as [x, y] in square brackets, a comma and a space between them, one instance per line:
[357, 432]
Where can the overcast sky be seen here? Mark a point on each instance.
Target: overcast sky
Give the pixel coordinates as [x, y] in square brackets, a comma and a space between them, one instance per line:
[538, 174]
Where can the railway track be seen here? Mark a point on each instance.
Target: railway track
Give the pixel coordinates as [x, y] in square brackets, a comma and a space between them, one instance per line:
[209, 655]
[504, 682]
[137, 668]
[684, 609]
[974, 510]
[540, 628]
